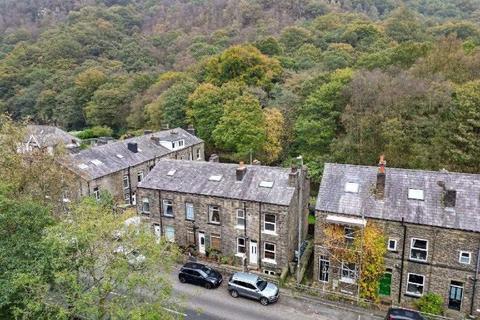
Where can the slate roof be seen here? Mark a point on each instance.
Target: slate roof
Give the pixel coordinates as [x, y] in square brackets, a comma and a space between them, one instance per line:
[333, 198]
[116, 156]
[49, 136]
[193, 177]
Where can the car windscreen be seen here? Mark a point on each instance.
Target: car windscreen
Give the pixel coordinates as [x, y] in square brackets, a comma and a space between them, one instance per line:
[208, 271]
[261, 284]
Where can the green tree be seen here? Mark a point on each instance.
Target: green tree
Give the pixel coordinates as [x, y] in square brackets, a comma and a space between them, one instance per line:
[242, 126]
[404, 25]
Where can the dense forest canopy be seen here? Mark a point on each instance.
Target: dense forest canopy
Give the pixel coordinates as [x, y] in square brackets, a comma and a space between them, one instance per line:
[332, 80]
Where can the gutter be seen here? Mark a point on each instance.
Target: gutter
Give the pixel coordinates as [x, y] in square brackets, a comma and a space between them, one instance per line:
[402, 262]
[475, 280]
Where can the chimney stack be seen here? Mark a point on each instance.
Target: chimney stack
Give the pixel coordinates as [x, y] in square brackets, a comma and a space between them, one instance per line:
[380, 188]
[155, 140]
[133, 147]
[191, 130]
[147, 132]
[241, 171]
[256, 162]
[213, 158]
[293, 177]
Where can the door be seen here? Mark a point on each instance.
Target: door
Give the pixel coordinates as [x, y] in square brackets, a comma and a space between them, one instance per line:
[455, 295]
[385, 284]
[253, 252]
[157, 231]
[201, 242]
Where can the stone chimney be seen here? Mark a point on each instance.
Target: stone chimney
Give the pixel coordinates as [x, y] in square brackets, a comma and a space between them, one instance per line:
[191, 130]
[213, 158]
[155, 140]
[293, 177]
[133, 147]
[380, 188]
[256, 162]
[241, 171]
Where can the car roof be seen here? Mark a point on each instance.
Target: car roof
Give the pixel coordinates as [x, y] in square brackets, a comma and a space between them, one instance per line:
[194, 265]
[247, 277]
[405, 314]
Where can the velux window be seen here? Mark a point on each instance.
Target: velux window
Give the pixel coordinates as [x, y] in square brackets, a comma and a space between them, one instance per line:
[419, 249]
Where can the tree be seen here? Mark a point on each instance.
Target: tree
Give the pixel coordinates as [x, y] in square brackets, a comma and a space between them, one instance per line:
[404, 25]
[274, 125]
[242, 126]
[293, 38]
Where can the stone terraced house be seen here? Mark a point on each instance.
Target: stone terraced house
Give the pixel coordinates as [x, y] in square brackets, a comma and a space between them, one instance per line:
[43, 137]
[431, 222]
[247, 211]
[118, 167]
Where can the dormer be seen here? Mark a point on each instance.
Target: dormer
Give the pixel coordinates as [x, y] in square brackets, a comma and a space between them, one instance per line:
[173, 145]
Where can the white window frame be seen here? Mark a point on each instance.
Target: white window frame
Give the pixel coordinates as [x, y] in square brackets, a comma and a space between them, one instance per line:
[394, 246]
[326, 273]
[349, 237]
[274, 251]
[169, 236]
[417, 284]
[126, 181]
[469, 257]
[139, 176]
[189, 205]
[199, 157]
[419, 249]
[165, 204]
[240, 217]
[145, 200]
[181, 143]
[211, 209]
[265, 223]
[244, 246]
[96, 193]
[352, 274]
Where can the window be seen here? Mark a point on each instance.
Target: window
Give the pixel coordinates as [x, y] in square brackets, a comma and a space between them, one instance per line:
[168, 208]
[127, 198]
[215, 178]
[415, 284]
[189, 211]
[156, 230]
[199, 157]
[266, 184]
[170, 233]
[351, 187]
[241, 246]
[214, 214]
[269, 224]
[215, 241]
[240, 218]
[190, 236]
[349, 272]
[269, 251]
[465, 257]
[392, 245]
[134, 199]
[126, 182]
[180, 143]
[171, 172]
[269, 272]
[415, 194]
[96, 193]
[349, 234]
[324, 267]
[419, 250]
[145, 205]
[139, 176]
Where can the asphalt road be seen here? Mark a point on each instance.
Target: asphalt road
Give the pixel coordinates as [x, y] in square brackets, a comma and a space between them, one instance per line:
[217, 304]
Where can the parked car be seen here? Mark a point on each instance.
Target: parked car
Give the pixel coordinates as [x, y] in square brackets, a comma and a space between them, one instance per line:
[252, 286]
[403, 314]
[200, 274]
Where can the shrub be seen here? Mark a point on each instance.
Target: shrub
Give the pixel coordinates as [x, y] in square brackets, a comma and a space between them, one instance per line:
[431, 303]
[95, 132]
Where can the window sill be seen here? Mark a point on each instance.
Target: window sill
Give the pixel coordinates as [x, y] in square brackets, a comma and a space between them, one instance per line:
[168, 216]
[214, 223]
[145, 213]
[191, 220]
[418, 260]
[240, 255]
[240, 227]
[272, 233]
[269, 261]
[412, 295]
[347, 280]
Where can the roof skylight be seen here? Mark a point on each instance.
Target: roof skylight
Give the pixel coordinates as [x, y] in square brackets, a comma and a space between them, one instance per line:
[96, 162]
[171, 172]
[83, 166]
[266, 184]
[119, 156]
[215, 178]
[415, 194]
[351, 187]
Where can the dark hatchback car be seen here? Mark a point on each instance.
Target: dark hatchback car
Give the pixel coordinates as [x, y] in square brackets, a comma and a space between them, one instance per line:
[200, 274]
[403, 314]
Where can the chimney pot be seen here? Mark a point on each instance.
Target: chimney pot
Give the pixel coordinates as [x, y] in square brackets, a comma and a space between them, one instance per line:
[256, 162]
[133, 147]
[213, 158]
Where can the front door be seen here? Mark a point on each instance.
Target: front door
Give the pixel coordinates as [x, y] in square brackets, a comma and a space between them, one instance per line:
[253, 252]
[455, 295]
[385, 283]
[201, 242]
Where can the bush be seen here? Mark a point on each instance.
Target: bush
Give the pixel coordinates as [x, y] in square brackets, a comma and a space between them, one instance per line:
[95, 132]
[430, 303]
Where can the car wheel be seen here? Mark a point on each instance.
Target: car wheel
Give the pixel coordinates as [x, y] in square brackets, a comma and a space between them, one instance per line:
[182, 279]
[264, 301]
[234, 293]
[208, 285]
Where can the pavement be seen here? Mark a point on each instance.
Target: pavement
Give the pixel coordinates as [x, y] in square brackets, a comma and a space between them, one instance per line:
[217, 304]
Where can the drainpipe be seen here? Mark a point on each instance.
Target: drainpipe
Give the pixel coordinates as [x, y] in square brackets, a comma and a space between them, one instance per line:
[247, 247]
[260, 235]
[129, 186]
[88, 188]
[300, 213]
[403, 259]
[160, 205]
[475, 279]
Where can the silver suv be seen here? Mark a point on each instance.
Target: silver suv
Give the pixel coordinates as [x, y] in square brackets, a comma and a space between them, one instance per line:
[252, 286]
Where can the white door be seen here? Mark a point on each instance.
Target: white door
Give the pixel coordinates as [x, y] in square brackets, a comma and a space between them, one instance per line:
[157, 231]
[253, 252]
[201, 242]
